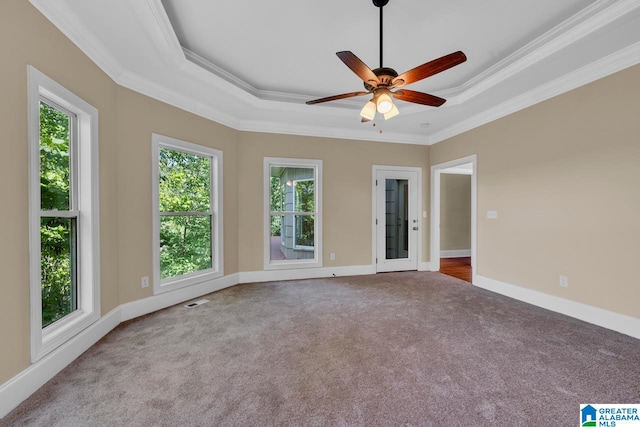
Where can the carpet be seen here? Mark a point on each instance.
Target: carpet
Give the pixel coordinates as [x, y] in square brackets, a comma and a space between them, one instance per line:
[392, 349]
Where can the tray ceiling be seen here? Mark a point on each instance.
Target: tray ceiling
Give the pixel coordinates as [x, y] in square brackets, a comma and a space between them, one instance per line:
[251, 65]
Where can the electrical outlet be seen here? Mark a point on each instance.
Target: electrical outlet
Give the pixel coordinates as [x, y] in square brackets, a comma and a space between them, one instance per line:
[492, 214]
[332, 256]
[144, 282]
[564, 281]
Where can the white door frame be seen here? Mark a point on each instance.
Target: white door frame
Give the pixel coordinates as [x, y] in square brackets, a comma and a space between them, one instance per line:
[435, 211]
[415, 215]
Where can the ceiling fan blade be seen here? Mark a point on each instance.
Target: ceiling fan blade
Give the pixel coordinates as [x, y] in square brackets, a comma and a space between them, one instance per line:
[358, 67]
[336, 97]
[418, 97]
[429, 69]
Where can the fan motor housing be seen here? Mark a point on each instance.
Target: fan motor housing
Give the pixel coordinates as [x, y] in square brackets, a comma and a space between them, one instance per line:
[385, 75]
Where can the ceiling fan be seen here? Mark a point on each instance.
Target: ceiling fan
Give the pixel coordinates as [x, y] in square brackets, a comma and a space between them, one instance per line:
[381, 80]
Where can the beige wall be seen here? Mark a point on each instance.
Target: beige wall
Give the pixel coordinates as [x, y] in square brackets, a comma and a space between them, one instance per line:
[564, 176]
[347, 191]
[455, 212]
[26, 37]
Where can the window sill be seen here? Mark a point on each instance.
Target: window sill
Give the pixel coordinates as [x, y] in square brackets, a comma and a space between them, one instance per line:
[179, 282]
[62, 331]
[292, 264]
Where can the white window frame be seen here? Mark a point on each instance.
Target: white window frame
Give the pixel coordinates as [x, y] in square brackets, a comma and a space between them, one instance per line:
[85, 180]
[316, 261]
[217, 245]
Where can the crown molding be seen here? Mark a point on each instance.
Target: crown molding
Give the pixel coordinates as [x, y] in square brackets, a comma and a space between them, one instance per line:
[260, 94]
[169, 41]
[176, 99]
[606, 66]
[67, 21]
[219, 71]
[587, 21]
[328, 132]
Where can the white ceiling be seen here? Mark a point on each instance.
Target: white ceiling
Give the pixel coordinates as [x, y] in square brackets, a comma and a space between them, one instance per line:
[251, 65]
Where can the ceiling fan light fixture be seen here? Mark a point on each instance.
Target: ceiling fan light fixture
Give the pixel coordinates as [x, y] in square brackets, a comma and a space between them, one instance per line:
[369, 110]
[394, 112]
[384, 103]
[382, 80]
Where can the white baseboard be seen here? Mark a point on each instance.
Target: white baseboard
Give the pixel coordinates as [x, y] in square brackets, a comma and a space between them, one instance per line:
[148, 305]
[607, 319]
[305, 273]
[455, 253]
[23, 385]
[424, 266]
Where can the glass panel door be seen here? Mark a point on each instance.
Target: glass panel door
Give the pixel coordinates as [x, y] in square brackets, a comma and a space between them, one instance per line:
[397, 220]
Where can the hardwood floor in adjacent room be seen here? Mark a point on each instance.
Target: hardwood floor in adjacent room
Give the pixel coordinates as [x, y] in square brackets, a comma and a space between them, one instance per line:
[456, 267]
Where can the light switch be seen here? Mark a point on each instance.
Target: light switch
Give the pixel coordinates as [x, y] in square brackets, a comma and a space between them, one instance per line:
[492, 214]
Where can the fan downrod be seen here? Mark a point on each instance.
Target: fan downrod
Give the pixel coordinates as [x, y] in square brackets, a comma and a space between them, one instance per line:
[380, 4]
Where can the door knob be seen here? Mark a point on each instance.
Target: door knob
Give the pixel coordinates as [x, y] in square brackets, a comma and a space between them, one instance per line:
[415, 228]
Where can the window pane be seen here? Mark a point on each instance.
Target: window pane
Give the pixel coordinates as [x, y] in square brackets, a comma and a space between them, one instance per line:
[276, 249]
[290, 237]
[304, 230]
[55, 163]
[58, 268]
[277, 194]
[284, 197]
[397, 218]
[185, 181]
[185, 245]
[304, 195]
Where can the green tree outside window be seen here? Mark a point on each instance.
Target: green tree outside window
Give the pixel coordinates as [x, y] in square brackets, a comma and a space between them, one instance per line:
[185, 213]
[57, 234]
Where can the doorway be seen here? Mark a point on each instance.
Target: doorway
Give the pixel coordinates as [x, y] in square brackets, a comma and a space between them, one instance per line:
[396, 218]
[446, 256]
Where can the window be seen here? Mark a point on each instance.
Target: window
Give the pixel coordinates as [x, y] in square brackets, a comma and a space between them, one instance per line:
[292, 213]
[63, 214]
[187, 220]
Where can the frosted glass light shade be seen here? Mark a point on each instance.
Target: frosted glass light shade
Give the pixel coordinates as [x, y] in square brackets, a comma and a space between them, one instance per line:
[394, 112]
[384, 104]
[369, 110]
